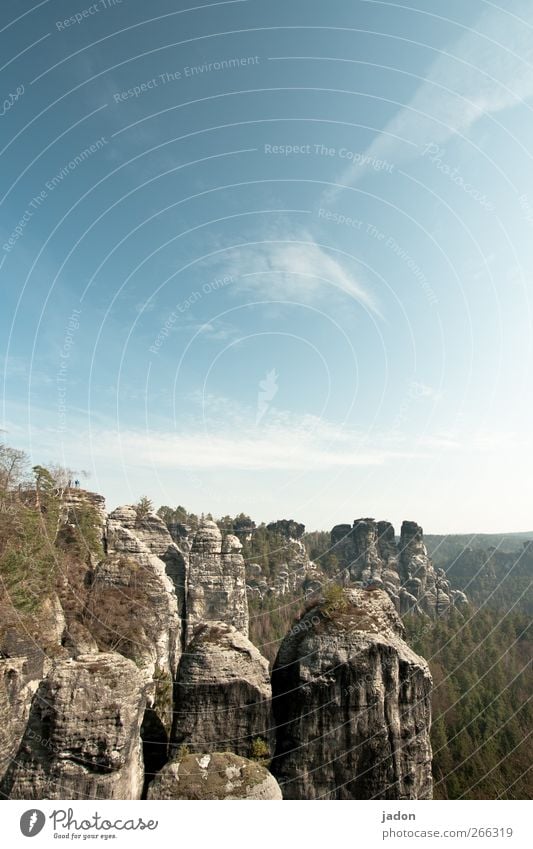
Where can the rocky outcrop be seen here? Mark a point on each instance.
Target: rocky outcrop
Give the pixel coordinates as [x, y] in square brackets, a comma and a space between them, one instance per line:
[351, 704]
[82, 738]
[19, 680]
[217, 580]
[150, 529]
[76, 499]
[424, 588]
[221, 775]
[223, 694]
[369, 556]
[131, 562]
[287, 528]
[141, 651]
[296, 573]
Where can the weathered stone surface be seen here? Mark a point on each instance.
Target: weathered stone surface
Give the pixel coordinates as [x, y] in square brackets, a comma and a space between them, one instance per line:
[74, 499]
[221, 775]
[369, 553]
[79, 640]
[223, 693]
[430, 587]
[131, 562]
[151, 530]
[297, 574]
[351, 704]
[82, 738]
[217, 584]
[26, 649]
[19, 679]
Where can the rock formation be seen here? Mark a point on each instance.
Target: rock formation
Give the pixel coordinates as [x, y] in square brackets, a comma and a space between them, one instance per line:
[351, 704]
[223, 694]
[19, 680]
[77, 499]
[221, 775]
[423, 588]
[288, 528]
[25, 659]
[82, 738]
[297, 574]
[217, 585]
[154, 534]
[368, 553]
[139, 650]
[131, 562]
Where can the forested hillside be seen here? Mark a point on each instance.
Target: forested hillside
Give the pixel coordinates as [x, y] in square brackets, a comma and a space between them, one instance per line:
[482, 713]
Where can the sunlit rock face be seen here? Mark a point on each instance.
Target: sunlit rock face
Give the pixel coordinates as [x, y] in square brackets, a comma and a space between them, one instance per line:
[150, 530]
[131, 560]
[217, 580]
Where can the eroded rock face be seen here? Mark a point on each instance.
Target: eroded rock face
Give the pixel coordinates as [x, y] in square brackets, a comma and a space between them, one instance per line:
[424, 588]
[217, 584]
[221, 775]
[370, 555]
[82, 737]
[74, 499]
[352, 704]
[153, 532]
[130, 562]
[223, 694]
[19, 680]
[296, 574]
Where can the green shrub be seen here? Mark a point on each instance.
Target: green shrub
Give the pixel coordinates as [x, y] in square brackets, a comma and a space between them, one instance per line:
[259, 750]
[335, 601]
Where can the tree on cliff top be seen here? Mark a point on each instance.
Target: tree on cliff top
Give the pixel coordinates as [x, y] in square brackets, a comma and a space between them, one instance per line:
[143, 507]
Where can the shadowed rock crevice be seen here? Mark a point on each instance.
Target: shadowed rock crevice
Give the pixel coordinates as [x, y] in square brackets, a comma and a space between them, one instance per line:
[155, 746]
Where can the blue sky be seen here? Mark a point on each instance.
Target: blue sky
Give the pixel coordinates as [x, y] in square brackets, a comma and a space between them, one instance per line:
[273, 257]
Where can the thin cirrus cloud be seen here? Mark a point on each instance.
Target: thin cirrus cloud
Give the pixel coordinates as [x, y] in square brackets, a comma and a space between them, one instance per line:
[479, 74]
[275, 448]
[226, 435]
[298, 268]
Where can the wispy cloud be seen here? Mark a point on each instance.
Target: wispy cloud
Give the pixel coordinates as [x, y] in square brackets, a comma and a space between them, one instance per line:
[297, 267]
[217, 434]
[487, 70]
[275, 447]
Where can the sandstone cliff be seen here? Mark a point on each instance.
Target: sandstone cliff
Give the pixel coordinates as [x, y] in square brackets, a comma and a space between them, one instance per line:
[294, 572]
[154, 534]
[369, 555]
[131, 562]
[217, 585]
[82, 739]
[352, 704]
[223, 694]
